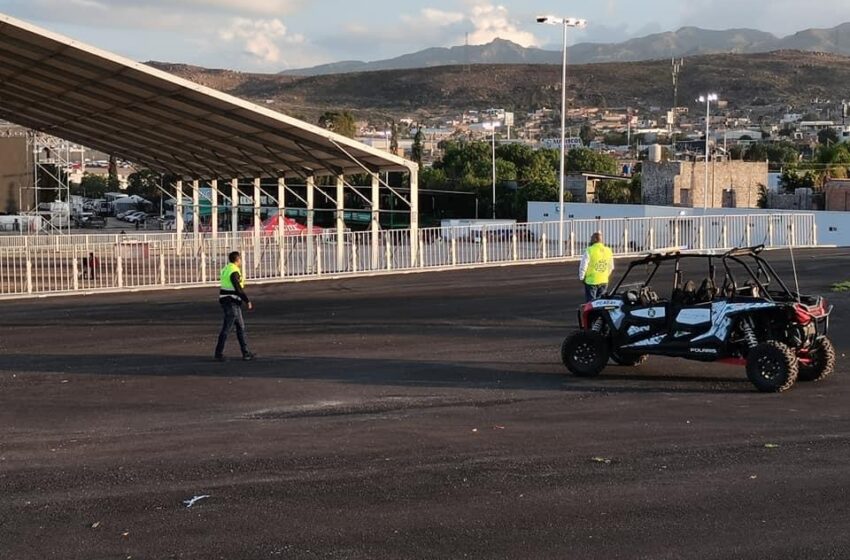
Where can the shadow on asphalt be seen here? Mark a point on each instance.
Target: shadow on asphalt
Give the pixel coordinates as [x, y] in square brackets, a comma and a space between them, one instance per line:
[383, 372]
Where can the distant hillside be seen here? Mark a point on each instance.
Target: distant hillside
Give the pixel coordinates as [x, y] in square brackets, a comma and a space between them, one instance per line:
[687, 41]
[780, 78]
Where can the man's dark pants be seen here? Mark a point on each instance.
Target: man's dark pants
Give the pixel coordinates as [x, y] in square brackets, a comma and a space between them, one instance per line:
[592, 293]
[232, 316]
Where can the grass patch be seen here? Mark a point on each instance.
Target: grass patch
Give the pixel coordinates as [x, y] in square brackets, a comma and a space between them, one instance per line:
[841, 287]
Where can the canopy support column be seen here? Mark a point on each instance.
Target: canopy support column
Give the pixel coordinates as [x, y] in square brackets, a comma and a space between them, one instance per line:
[178, 216]
[311, 197]
[340, 222]
[234, 208]
[376, 221]
[196, 215]
[214, 202]
[281, 224]
[414, 216]
[257, 223]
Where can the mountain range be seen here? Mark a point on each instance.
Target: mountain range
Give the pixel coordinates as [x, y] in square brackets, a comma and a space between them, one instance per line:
[685, 42]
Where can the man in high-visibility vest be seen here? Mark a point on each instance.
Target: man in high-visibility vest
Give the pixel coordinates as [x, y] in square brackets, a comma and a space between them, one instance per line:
[596, 267]
[231, 296]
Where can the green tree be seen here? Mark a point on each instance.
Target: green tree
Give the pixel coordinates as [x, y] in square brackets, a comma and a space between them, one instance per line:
[793, 178]
[145, 183]
[506, 171]
[587, 134]
[433, 179]
[585, 160]
[762, 199]
[539, 171]
[92, 186]
[776, 153]
[616, 139]
[339, 122]
[614, 192]
[393, 137]
[418, 149]
[828, 136]
[834, 161]
[519, 154]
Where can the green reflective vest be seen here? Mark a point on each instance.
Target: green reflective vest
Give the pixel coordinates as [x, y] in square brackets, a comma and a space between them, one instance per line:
[226, 273]
[600, 263]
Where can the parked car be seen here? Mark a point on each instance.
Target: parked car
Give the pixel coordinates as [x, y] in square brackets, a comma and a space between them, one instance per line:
[134, 217]
[94, 222]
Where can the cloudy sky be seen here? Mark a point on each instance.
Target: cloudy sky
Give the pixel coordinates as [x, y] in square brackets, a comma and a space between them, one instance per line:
[273, 35]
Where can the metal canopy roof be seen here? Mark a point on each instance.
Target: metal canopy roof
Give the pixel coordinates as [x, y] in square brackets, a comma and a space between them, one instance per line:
[67, 89]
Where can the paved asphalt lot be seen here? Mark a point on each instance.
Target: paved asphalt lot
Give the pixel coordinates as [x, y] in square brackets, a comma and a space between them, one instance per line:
[422, 416]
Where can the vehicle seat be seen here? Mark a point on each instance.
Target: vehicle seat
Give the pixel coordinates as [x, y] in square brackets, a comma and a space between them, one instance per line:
[707, 291]
[689, 293]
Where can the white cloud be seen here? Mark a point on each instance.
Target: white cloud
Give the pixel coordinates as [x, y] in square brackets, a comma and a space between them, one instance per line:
[260, 39]
[439, 17]
[483, 21]
[493, 22]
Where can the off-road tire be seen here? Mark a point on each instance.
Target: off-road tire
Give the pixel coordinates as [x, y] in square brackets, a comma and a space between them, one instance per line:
[822, 354]
[585, 353]
[627, 360]
[772, 367]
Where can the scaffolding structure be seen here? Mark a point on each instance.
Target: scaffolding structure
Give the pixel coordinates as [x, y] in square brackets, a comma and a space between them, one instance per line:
[51, 160]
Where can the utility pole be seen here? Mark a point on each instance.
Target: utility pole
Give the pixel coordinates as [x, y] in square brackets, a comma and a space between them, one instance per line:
[677, 69]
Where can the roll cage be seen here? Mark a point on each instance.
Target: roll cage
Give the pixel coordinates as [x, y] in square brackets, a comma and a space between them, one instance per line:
[759, 274]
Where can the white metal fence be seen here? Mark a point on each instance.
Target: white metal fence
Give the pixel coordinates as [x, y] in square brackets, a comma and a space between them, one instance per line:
[65, 265]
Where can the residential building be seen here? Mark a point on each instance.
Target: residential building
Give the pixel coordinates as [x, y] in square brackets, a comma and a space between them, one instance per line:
[731, 184]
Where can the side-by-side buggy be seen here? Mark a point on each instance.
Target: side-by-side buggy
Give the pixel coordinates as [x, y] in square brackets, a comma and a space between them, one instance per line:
[737, 310]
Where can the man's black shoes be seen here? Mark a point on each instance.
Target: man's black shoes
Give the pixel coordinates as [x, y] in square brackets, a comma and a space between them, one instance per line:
[249, 357]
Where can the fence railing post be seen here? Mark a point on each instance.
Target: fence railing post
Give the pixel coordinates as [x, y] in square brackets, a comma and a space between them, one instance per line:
[814, 239]
[454, 248]
[29, 265]
[514, 246]
[484, 247]
[651, 238]
[572, 241]
[203, 266]
[318, 257]
[354, 258]
[75, 270]
[702, 233]
[545, 247]
[161, 263]
[626, 238]
[770, 231]
[120, 269]
[281, 245]
[389, 253]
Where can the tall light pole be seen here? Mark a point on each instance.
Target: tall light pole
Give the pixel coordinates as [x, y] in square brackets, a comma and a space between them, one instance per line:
[707, 99]
[493, 126]
[566, 23]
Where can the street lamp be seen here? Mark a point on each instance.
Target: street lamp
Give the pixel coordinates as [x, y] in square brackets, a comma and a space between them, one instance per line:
[707, 99]
[493, 126]
[566, 23]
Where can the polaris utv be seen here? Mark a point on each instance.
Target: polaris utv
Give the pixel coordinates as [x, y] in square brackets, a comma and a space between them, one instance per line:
[750, 318]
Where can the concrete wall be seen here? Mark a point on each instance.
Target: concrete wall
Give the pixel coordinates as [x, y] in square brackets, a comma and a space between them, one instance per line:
[732, 184]
[801, 200]
[837, 196]
[15, 174]
[833, 227]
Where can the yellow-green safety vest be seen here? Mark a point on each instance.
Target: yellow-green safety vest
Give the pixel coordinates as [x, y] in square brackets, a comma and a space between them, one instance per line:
[600, 263]
[226, 273]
